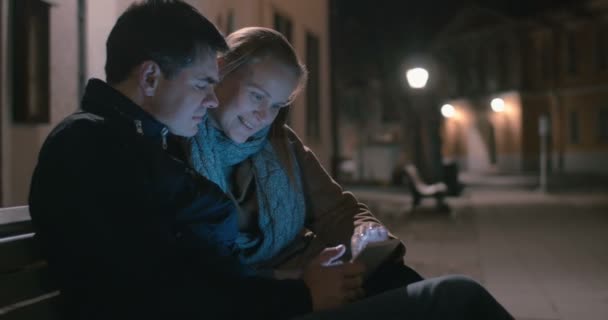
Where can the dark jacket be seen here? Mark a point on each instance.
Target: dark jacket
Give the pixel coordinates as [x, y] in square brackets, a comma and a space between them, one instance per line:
[131, 231]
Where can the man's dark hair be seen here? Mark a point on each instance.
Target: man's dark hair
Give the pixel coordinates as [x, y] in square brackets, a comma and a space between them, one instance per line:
[169, 32]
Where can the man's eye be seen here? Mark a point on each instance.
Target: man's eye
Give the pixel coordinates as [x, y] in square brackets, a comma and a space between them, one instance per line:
[201, 86]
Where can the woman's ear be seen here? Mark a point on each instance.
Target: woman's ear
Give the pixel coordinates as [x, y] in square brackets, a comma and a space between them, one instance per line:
[149, 77]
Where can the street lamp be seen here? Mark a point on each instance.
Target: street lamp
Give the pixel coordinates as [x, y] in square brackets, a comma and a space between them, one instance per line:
[498, 105]
[422, 123]
[448, 111]
[417, 77]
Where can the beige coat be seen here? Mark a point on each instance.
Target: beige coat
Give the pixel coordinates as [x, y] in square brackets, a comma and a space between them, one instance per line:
[332, 214]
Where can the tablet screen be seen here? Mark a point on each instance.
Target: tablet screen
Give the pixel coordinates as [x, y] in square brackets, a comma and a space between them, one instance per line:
[376, 253]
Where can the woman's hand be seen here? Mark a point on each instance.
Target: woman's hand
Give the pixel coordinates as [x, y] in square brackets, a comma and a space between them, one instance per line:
[332, 285]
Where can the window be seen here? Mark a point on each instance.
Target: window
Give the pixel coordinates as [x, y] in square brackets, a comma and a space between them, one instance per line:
[602, 124]
[481, 68]
[574, 127]
[545, 58]
[230, 22]
[502, 75]
[283, 25]
[82, 52]
[313, 101]
[571, 53]
[219, 22]
[601, 47]
[30, 37]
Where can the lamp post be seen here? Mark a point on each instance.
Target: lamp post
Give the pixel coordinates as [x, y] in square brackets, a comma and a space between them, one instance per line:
[543, 132]
[417, 79]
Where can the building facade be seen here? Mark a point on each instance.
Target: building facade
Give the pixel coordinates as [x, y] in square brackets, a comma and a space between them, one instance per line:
[553, 64]
[48, 49]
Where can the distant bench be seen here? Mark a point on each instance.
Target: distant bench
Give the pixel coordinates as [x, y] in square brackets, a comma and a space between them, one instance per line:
[419, 189]
[26, 290]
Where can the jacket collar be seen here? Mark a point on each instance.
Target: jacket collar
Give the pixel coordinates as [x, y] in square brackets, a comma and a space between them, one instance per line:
[103, 100]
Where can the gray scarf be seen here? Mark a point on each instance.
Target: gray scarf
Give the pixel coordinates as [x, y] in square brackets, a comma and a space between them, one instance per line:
[281, 204]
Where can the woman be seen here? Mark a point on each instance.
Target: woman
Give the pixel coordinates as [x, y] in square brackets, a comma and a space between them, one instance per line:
[290, 208]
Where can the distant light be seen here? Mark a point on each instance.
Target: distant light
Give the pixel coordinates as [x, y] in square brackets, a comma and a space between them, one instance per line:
[498, 105]
[448, 110]
[417, 78]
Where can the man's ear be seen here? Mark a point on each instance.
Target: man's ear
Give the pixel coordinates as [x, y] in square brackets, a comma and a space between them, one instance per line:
[149, 77]
[220, 62]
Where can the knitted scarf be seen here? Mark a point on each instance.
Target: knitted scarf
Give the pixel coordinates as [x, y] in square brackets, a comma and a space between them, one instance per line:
[281, 204]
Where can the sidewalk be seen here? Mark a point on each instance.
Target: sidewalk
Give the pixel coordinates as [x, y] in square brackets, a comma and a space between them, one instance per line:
[555, 182]
[543, 255]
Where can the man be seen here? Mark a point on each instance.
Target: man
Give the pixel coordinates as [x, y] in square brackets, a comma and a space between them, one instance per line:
[129, 230]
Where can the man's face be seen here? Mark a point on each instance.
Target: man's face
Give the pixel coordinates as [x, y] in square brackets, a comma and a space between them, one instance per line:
[182, 101]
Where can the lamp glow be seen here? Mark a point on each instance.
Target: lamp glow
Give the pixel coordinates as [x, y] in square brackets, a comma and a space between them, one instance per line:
[448, 111]
[417, 78]
[498, 105]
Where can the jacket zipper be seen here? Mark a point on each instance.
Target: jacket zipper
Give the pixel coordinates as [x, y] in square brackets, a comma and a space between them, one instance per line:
[139, 127]
[163, 133]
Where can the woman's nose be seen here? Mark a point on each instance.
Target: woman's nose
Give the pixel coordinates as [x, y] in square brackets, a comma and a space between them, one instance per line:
[262, 112]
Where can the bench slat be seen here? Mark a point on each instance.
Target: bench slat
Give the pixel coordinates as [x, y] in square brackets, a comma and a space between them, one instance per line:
[27, 291]
[15, 220]
[25, 285]
[17, 252]
[40, 310]
[16, 228]
[14, 214]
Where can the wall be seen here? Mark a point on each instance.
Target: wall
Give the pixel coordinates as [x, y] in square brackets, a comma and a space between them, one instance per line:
[508, 132]
[467, 136]
[21, 142]
[589, 154]
[305, 15]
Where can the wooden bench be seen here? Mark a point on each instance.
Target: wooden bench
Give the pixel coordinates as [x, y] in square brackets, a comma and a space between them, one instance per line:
[419, 189]
[26, 289]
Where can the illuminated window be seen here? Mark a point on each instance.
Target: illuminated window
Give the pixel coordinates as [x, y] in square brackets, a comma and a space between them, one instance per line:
[545, 58]
[601, 47]
[503, 70]
[230, 22]
[574, 127]
[571, 62]
[30, 56]
[283, 25]
[602, 124]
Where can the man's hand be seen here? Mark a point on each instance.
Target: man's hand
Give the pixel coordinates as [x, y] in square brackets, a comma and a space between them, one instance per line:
[332, 285]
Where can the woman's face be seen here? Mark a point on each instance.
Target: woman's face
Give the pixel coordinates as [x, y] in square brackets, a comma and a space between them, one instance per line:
[251, 96]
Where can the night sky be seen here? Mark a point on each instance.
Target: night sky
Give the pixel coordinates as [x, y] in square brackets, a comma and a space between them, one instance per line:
[375, 35]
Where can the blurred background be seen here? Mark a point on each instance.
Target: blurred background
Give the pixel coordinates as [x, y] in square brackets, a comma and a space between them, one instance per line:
[495, 110]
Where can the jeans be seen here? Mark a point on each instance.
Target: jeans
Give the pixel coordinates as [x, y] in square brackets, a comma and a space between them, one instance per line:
[390, 276]
[442, 298]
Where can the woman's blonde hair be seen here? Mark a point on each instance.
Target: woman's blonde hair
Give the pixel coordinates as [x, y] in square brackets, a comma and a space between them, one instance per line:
[252, 44]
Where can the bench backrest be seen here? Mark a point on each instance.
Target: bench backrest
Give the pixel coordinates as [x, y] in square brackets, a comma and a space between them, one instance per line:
[26, 290]
[412, 174]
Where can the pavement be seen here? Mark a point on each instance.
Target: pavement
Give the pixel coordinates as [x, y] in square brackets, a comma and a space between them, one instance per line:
[544, 256]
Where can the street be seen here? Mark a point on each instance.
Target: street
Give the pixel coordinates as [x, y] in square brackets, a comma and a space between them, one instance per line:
[543, 256]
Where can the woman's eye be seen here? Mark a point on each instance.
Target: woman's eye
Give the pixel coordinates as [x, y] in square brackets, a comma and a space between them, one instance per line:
[256, 97]
[201, 87]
